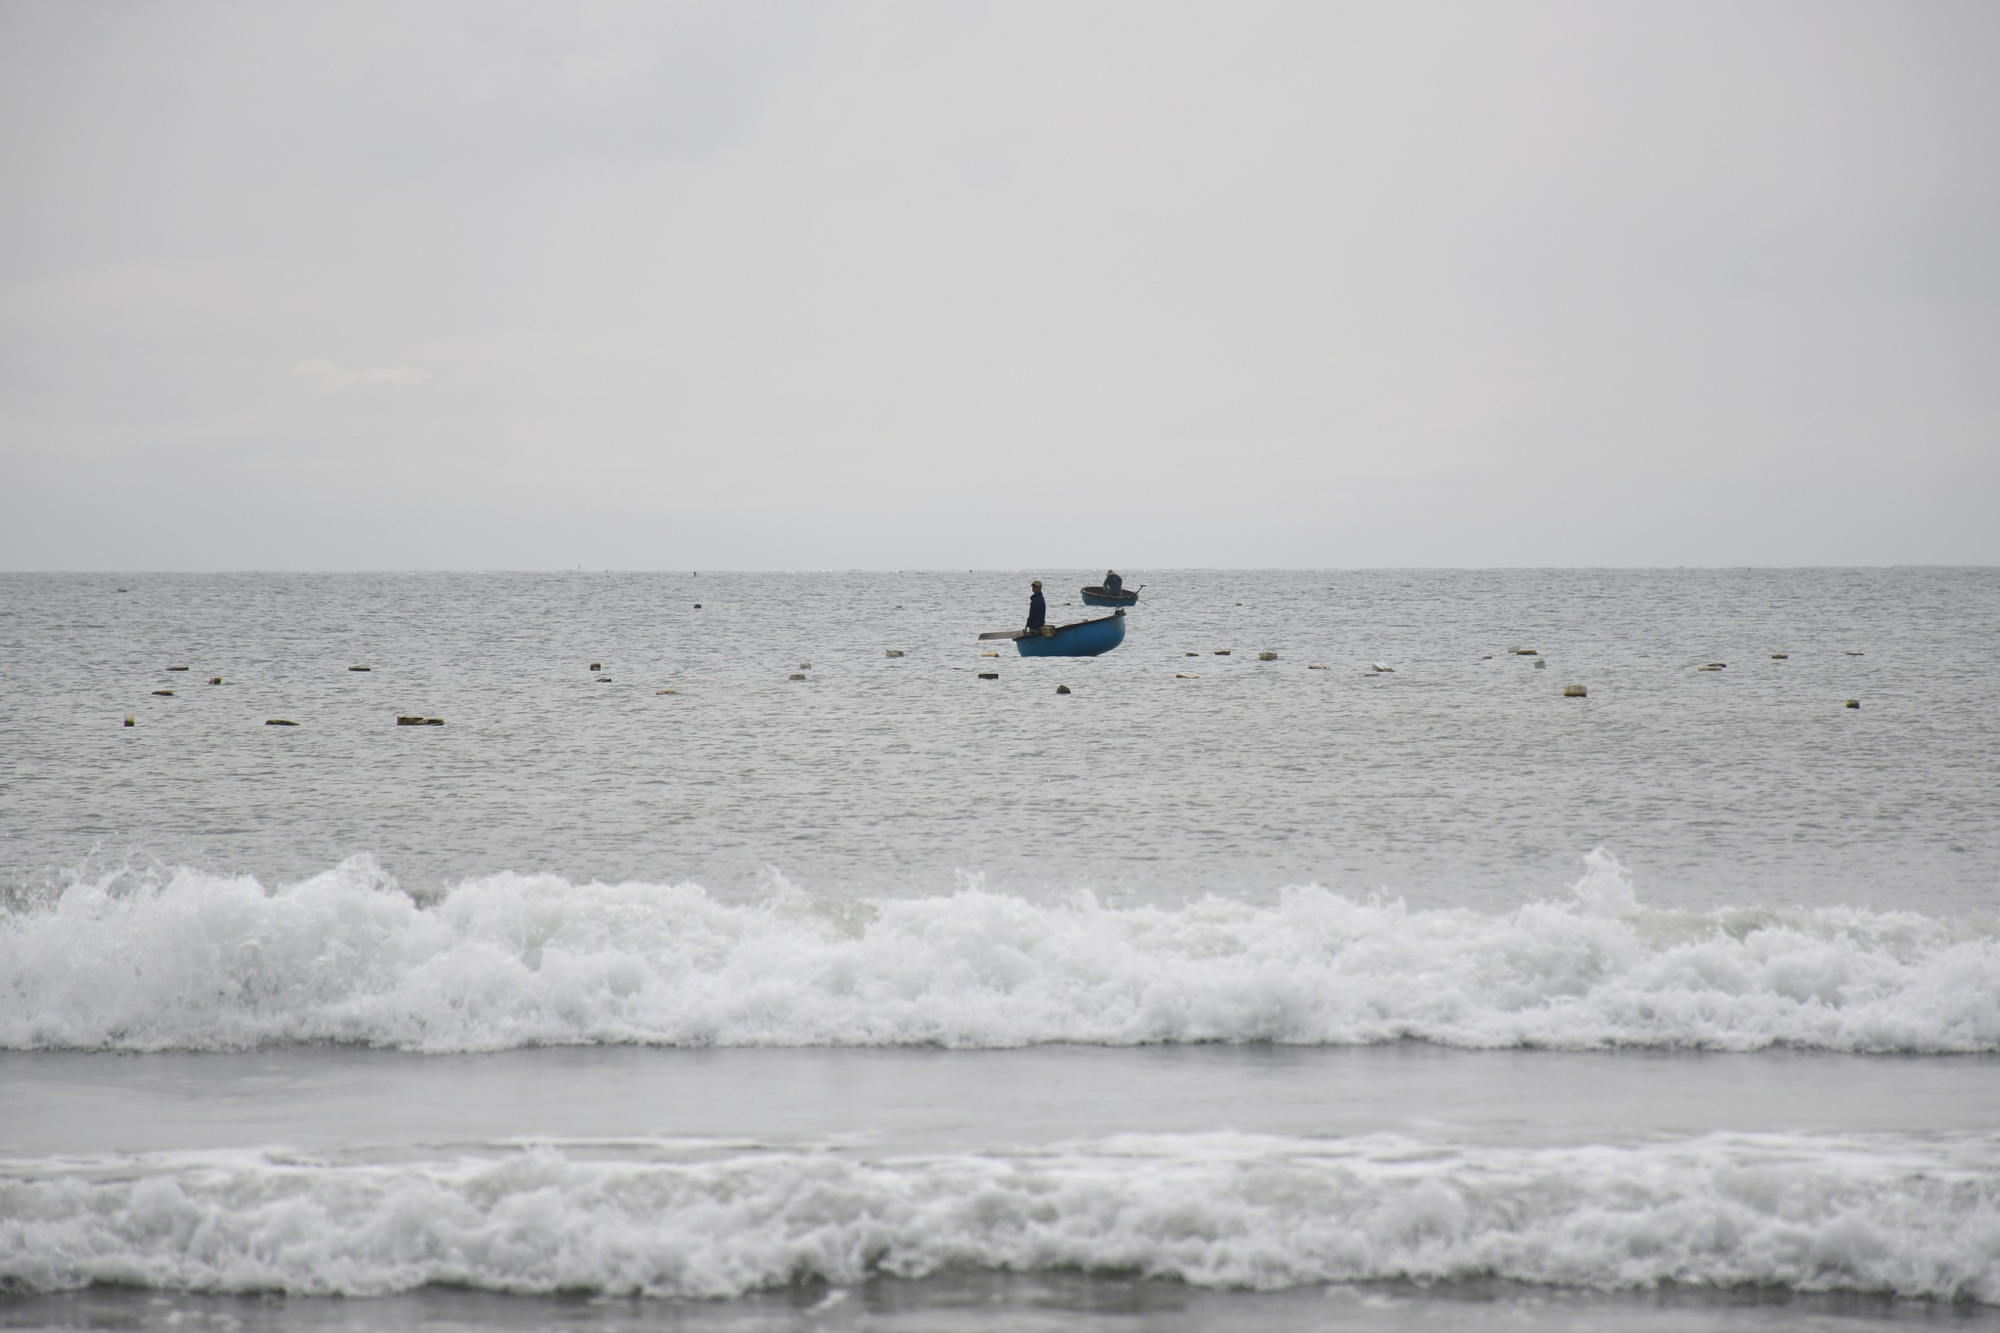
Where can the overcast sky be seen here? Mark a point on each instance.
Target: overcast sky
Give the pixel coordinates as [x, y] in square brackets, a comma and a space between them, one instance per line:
[491, 285]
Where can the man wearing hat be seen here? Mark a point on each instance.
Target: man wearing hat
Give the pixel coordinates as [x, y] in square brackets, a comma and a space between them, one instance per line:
[1038, 610]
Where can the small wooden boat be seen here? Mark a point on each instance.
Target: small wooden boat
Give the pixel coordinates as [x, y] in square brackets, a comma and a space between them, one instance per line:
[1082, 638]
[1095, 596]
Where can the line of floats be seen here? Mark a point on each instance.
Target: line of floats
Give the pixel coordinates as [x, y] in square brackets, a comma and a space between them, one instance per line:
[1079, 638]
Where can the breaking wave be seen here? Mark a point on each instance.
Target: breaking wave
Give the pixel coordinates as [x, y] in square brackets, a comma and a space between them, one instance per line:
[1902, 1215]
[198, 961]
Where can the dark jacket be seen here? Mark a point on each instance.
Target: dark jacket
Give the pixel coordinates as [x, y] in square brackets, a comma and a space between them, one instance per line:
[1112, 583]
[1038, 611]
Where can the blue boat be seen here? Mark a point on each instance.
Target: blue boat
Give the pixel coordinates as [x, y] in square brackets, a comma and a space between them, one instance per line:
[1096, 596]
[1082, 638]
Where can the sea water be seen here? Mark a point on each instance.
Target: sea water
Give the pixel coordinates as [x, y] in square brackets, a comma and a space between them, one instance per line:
[753, 977]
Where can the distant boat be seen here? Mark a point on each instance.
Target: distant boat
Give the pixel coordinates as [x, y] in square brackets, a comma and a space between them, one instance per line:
[1105, 597]
[1082, 638]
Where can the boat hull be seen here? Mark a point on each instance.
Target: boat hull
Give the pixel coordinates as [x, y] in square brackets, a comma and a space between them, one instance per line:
[1099, 597]
[1085, 638]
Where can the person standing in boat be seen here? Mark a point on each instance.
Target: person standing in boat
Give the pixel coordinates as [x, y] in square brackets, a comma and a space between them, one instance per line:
[1112, 583]
[1038, 610]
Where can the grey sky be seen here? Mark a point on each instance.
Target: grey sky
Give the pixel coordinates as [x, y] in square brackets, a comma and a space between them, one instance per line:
[488, 285]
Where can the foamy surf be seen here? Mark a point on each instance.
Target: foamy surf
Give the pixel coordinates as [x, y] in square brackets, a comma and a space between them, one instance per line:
[198, 961]
[1897, 1215]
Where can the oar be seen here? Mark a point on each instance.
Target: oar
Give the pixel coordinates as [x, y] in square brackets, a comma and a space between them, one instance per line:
[1003, 634]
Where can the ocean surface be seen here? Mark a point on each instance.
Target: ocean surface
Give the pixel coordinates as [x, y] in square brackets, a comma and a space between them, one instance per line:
[735, 956]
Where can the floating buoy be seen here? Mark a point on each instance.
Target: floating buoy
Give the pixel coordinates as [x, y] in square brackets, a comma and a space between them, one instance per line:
[418, 720]
[797, 675]
[1381, 668]
[1316, 666]
[167, 694]
[1854, 703]
[1222, 652]
[1524, 652]
[1190, 654]
[1574, 691]
[604, 680]
[989, 654]
[597, 666]
[1267, 657]
[279, 722]
[697, 606]
[1060, 689]
[128, 717]
[1541, 662]
[1487, 658]
[664, 691]
[360, 668]
[215, 680]
[1779, 657]
[1855, 654]
[895, 652]
[1712, 666]
[989, 675]
[177, 668]
[1185, 675]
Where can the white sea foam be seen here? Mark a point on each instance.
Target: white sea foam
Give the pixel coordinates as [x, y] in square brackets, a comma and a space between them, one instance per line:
[199, 961]
[1903, 1215]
